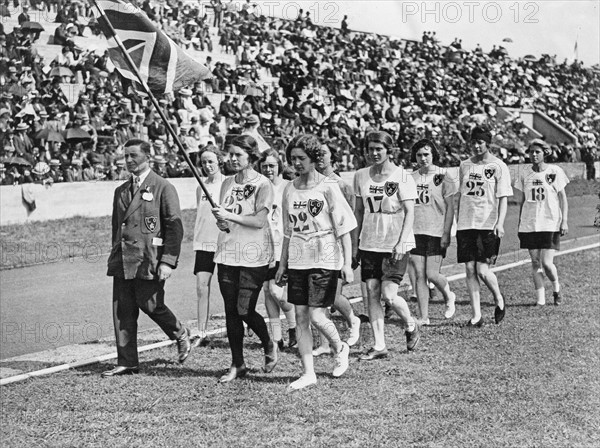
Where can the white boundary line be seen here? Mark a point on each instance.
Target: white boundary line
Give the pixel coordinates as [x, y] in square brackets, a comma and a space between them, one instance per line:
[145, 348]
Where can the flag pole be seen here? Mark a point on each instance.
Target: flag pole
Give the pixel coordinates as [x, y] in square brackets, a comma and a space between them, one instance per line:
[155, 103]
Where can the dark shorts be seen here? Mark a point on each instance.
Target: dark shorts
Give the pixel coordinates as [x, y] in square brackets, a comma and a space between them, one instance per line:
[540, 240]
[477, 245]
[428, 246]
[312, 287]
[271, 272]
[243, 282]
[380, 266]
[204, 262]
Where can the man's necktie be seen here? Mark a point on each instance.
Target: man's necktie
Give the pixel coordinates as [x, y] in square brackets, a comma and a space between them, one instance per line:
[135, 185]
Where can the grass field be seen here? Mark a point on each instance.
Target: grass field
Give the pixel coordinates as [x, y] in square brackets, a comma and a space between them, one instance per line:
[533, 381]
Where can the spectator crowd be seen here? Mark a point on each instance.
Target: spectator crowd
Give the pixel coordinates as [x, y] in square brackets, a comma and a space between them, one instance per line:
[66, 119]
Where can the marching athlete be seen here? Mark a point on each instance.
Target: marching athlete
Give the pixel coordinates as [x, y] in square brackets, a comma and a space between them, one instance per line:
[384, 212]
[482, 202]
[206, 234]
[434, 213]
[271, 167]
[341, 303]
[244, 252]
[543, 217]
[316, 250]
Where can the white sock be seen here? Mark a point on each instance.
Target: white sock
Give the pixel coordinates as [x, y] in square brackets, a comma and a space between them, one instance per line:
[411, 326]
[276, 329]
[540, 295]
[556, 286]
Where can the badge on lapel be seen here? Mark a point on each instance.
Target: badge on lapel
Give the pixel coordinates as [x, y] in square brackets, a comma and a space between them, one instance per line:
[249, 191]
[489, 172]
[150, 222]
[550, 178]
[314, 207]
[438, 179]
[390, 188]
[147, 194]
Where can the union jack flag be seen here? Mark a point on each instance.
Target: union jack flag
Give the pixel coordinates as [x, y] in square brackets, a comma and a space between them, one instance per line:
[163, 65]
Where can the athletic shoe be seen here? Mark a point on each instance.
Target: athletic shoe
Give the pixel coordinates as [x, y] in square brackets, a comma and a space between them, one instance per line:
[303, 381]
[373, 354]
[424, 322]
[413, 338]
[292, 341]
[450, 307]
[499, 314]
[322, 350]
[270, 357]
[341, 361]
[557, 298]
[354, 331]
[477, 324]
[364, 319]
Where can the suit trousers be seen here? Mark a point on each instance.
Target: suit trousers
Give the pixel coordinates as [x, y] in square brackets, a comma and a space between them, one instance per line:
[131, 296]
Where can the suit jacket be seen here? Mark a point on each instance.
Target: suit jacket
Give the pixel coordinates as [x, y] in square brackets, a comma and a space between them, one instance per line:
[138, 226]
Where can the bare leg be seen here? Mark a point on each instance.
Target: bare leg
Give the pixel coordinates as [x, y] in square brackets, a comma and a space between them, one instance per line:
[538, 276]
[491, 281]
[203, 292]
[474, 290]
[375, 312]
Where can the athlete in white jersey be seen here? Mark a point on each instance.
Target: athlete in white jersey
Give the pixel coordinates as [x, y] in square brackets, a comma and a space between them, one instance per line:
[384, 211]
[543, 217]
[434, 213]
[341, 303]
[206, 234]
[317, 248]
[271, 167]
[482, 202]
[244, 252]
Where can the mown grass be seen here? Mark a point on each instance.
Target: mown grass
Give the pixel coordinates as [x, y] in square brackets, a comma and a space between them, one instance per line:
[532, 381]
[76, 235]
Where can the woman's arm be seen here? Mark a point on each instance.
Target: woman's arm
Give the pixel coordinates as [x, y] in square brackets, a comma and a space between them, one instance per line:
[564, 208]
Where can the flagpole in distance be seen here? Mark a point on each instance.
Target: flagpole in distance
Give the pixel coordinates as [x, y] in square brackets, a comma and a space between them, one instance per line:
[134, 69]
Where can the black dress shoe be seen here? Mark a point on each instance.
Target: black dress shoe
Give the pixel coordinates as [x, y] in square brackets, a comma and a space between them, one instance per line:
[120, 370]
[499, 314]
[477, 324]
[234, 372]
[184, 346]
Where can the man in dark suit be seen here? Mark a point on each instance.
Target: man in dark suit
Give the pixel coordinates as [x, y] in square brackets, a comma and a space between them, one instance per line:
[146, 237]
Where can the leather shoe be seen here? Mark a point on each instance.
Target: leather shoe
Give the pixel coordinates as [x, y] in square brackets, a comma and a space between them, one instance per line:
[184, 346]
[234, 372]
[120, 370]
[499, 314]
[373, 354]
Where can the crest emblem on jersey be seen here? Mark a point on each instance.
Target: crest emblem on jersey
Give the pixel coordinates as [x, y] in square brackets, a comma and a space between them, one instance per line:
[489, 172]
[150, 222]
[438, 179]
[550, 178]
[391, 188]
[248, 191]
[314, 207]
